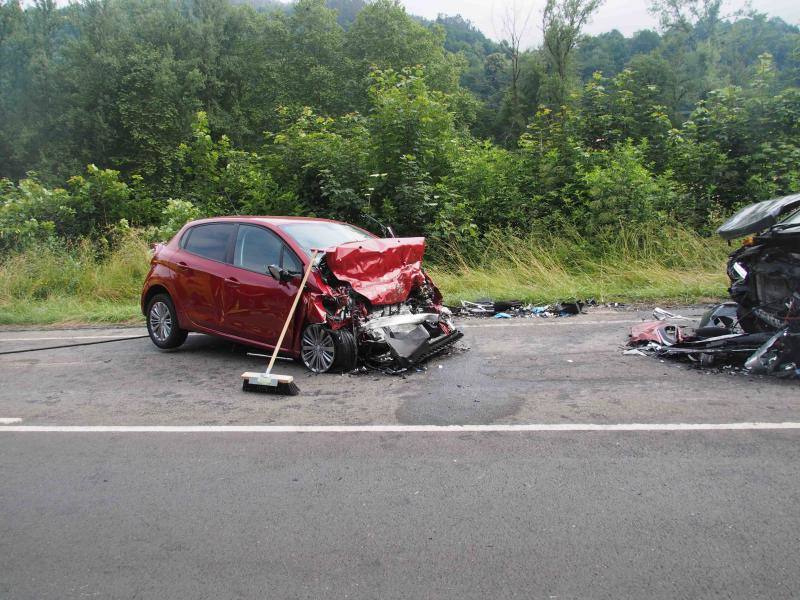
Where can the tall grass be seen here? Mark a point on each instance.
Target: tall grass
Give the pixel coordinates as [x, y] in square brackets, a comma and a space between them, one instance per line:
[647, 264]
[51, 284]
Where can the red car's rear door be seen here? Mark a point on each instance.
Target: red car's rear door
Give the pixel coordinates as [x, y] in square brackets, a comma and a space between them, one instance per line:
[255, 305]
[202, 268]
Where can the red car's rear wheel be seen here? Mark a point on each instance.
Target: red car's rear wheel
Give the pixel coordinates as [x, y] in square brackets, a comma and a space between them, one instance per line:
[162, 323]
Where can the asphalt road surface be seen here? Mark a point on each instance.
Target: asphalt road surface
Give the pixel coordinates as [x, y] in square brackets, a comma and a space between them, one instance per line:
[151, 475]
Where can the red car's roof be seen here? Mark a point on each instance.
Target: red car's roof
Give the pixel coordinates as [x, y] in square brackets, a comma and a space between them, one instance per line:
[267, 220]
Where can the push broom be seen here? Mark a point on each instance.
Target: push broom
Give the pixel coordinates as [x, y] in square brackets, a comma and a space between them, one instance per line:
[267, 382]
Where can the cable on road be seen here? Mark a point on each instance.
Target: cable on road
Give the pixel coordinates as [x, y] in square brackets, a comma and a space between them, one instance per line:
[124, 339]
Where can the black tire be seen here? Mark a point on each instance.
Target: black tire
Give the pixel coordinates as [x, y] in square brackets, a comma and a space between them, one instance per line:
[749, 322]
[346, 351]
[162, 323]
[319, 342]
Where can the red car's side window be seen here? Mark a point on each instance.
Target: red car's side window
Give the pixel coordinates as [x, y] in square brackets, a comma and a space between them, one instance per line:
[257, 248]
[209, 241]
[290, 262]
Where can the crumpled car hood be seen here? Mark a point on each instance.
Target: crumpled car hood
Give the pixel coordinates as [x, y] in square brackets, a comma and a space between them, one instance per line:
[382, 270]
[757, 217]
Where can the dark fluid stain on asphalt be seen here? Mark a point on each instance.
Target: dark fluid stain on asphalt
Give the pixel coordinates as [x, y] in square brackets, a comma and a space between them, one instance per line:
[461, 409]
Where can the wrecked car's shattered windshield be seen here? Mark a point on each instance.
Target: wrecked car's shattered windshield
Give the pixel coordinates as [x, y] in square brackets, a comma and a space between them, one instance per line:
[321, 235]
[793, 219]
[758, 217]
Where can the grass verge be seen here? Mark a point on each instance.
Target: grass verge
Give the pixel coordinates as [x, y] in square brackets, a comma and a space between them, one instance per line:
[673, 265]
[49, 285]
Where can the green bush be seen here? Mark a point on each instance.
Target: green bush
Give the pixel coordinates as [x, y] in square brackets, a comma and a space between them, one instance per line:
[31, 214]
[622, 192]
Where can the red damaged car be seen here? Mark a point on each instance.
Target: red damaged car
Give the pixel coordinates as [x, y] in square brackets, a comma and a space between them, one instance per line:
[367, 298]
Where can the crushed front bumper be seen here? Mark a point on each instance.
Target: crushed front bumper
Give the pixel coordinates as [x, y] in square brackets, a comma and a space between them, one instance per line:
[417, 345]
[409, 339]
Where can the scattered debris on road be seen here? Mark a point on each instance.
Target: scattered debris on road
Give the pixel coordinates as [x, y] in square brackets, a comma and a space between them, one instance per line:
[508, 309]
[719, 342]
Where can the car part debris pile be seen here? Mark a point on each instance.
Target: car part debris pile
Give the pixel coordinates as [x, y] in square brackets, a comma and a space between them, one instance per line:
[719, 341]
[508, 309]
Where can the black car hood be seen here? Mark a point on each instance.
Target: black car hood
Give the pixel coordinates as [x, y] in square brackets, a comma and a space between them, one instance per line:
[758, 216]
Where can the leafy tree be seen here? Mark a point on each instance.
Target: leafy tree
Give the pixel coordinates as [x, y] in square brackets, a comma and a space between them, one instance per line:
[220, 179]
[384, 36]
[413, 140]
[562, 22]
[621, 190]
[607, 53]
[314, 65]
[30, 214]
[357, 110]
[323, 162]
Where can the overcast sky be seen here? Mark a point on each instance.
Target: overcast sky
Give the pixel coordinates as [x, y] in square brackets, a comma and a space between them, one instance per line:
[626, 15]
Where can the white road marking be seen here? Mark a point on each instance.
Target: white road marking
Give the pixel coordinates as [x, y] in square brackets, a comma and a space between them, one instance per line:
[9, 421]
[32, 365]
[70, 337]
[531, 427]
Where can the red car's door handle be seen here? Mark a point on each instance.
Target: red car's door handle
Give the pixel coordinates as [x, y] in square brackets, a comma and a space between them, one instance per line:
[232, 281]
[182, 266]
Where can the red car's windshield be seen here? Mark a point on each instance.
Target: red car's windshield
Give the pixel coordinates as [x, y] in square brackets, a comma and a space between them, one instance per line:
[320, 234]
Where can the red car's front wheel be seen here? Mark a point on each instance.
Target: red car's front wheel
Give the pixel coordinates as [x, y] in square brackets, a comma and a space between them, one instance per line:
[323, 349]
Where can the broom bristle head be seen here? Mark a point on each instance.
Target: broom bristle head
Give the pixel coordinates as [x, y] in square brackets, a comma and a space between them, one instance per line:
[282, 389]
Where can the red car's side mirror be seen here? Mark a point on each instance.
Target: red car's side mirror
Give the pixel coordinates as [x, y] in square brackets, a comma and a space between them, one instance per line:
[279, 274]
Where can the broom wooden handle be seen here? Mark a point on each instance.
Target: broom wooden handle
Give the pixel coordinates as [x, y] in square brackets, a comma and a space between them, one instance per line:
[291, 311]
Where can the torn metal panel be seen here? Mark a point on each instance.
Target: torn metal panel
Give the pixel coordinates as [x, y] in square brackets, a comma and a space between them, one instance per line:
[735, 343]
[723, 315]
[662, 315]
[779, 355]
[384, 271]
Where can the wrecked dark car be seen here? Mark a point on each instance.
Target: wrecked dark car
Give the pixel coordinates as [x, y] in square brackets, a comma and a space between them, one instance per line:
[765, 271]
[760, 328]
[367, 300]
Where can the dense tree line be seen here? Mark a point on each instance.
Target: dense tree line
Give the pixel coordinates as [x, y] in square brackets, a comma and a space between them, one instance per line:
[354, 108]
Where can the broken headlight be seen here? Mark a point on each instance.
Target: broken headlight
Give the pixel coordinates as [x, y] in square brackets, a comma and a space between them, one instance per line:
[739, 270]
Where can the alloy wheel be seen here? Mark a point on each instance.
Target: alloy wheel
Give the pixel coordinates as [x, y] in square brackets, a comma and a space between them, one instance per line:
[160, 321]
[317, 349]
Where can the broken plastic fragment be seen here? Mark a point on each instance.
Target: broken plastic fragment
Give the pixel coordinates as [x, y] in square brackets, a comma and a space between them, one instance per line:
[665, 334]
[635, 352]
[662, 315]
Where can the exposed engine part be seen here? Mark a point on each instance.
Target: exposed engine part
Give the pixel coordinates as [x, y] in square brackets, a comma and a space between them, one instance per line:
[765, 282]
[398, 321]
